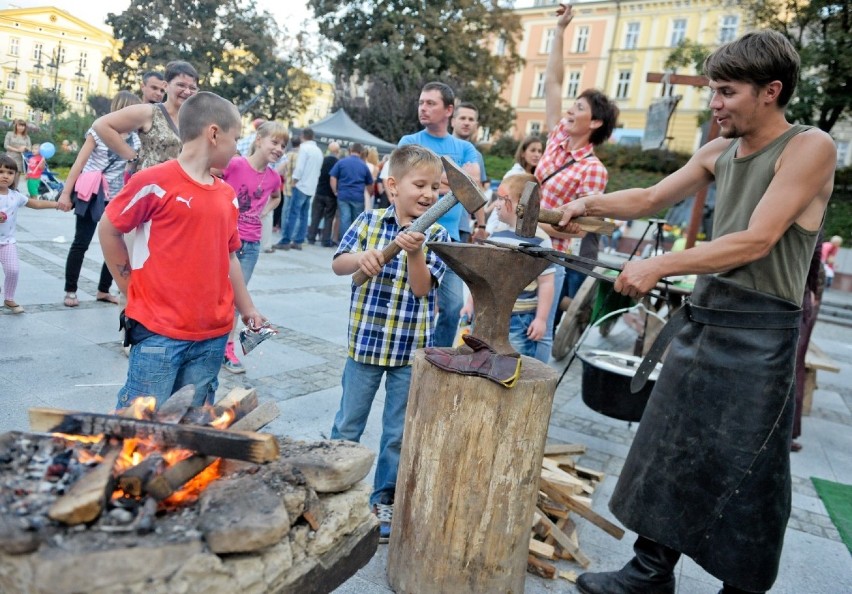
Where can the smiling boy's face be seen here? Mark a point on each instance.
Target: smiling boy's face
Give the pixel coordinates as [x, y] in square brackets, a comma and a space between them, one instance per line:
[415, 191]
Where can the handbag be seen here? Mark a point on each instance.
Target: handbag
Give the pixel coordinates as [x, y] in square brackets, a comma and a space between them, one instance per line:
[96, 204]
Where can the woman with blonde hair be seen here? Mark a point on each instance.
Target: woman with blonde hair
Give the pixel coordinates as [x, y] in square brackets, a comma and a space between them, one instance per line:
[16, 143]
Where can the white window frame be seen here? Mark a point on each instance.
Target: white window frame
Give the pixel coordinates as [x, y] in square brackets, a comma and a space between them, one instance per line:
[533, 127]
[631, 35]
[31, 115]
[842, 152]
[540, 85]
[38, 50]
[62, 54]
[622, 89]
[581, 43]
[572, 86]
[11, 81]
[79, 93]
[547, 40]
[678, 33]
[7, 112]
[500, 49]
[728, 28]
[84, 60]
[14, 46]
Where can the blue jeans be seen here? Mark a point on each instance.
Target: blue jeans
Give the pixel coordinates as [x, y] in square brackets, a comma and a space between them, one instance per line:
[518, 325]
[295, 226]
[248, 255]
[450, 302]
[360, 384]
[160, 366]
[349, 211]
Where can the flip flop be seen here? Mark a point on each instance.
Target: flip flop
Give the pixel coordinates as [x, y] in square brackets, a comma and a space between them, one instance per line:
[71, 300]
[108, 299]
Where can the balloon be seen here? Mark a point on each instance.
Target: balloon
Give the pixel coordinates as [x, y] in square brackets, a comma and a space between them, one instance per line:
[47, 150]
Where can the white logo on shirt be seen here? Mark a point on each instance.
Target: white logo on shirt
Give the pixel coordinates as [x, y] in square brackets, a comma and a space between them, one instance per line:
[185, 201]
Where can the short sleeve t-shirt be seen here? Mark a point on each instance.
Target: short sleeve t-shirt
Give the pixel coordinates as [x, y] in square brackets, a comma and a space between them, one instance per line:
[9, 205]
[179, 284]
[253, 190]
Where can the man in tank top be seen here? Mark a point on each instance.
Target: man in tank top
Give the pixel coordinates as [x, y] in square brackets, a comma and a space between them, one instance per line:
[708, 473]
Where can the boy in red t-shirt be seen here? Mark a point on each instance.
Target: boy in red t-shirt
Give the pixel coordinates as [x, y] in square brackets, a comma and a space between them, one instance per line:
[35, 167]
[183, 279]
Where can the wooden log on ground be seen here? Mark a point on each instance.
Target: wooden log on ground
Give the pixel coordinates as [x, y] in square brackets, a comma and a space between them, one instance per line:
[540, 568]
[86, 498]
[468, 480]
[537, 547]
[241, 400]
[133, 480]
[238, 445]
[554, 492]
[556, 449]
[564, 541]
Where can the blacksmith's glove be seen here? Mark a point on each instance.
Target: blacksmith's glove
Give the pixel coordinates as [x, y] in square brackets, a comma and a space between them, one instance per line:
[483, 361]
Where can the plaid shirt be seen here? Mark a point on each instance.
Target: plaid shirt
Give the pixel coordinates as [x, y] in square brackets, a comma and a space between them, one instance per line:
[388, 322]
[587, 175]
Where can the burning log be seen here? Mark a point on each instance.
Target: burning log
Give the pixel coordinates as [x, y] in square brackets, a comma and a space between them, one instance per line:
[87, 497]
[241, 400]
[134, 479]
[238, 445]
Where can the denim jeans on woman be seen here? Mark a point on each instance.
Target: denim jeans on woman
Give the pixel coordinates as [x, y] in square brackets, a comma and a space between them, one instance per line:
[360, 384]
[295, 226]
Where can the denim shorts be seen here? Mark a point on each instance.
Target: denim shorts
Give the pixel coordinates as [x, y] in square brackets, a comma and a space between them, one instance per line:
[248, 255]
[160, 366]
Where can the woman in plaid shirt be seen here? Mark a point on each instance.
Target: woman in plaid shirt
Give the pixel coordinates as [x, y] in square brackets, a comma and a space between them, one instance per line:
[569, 168]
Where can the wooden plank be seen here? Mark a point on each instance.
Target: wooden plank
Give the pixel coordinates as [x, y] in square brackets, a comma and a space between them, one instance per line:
[86, 498]
[693, 80]
[589, 473]
[555, 449]
[815, 358]
[555, 492]
[564, 541]
[238, 445]
[558, 475]
[241, 400]
[540, 568]
[133, 480]
[541, 549]
[564, 460]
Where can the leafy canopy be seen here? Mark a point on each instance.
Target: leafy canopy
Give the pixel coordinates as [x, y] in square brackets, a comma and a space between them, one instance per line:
[390, 48]
[237, 51]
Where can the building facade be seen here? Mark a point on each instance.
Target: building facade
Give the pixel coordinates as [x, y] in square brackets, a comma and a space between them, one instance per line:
[48, 47]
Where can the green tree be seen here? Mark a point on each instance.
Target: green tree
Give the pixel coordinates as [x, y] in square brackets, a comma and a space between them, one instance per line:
[238, 52]
[821, 31]
[395, 46]
[47, 101]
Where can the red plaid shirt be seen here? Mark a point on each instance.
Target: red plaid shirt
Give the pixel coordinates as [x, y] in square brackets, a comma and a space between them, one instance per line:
[587, 175]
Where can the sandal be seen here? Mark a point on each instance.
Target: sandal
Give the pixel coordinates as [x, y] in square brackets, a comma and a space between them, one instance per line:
[107, 298]
[71, 300]
[13, 307]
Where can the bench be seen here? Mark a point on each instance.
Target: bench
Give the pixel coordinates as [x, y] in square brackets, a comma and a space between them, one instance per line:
[815, 359]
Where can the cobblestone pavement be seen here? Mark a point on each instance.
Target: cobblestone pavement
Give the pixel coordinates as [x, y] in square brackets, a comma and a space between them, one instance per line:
[71, 358]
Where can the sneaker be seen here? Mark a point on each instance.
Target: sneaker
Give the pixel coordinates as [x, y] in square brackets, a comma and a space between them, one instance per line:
[384, 512]
[281, 246]
[230, 362]
[296, 246]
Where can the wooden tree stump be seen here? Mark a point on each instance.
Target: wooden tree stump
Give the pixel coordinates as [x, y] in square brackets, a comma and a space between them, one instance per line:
[468, 480]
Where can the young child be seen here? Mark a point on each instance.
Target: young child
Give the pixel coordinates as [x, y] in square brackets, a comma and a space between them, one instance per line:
[528, 326]
[392, 314]
[184, 277]
[10, 201]
[258, 188]
[35, 167]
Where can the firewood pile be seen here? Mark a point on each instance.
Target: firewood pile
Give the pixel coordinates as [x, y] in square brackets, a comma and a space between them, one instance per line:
[565, 489]
[179, 499]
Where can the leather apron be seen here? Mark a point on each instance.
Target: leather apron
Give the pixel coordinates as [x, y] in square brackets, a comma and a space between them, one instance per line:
[708, 473]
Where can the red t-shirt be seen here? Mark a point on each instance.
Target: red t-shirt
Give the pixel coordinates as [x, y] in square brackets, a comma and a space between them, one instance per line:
[180, 285]
[35, 167]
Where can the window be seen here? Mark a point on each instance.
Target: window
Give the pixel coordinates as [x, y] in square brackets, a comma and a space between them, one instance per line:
[500, 50]
[34, 82]
[79, 93]
[485, 134]
[31, 115]
[84, 60]
[631, 36]
[842, 152]
[7, 112]
[11, 82]
[547, 41]
[61, 55]
[539, 85]
[622, 91]
[728, 29]
[535, 128]
[678, 31]
[582, 44]
[14, 46]
[573, 87]
[38, 49]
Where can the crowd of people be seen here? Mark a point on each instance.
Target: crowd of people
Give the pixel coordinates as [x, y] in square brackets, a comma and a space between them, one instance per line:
[167, 171]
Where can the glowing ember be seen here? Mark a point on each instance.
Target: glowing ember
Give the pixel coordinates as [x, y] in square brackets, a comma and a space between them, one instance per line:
[193, 488]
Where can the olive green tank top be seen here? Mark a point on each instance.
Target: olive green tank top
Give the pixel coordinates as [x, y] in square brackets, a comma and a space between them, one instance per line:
[160, 143]
[740, 184]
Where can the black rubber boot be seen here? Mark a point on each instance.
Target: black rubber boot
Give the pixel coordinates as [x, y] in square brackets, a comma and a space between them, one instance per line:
[729, 589]
[651, 571]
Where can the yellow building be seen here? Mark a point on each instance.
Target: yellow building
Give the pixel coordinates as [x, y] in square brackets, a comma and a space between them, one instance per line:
[49, 47]
[612, 45]
[321, 99]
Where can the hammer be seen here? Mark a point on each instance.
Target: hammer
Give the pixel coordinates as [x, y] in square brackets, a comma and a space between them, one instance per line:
[463, 190]
[530, 213]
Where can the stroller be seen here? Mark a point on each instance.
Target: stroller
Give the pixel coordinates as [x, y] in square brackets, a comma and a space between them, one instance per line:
[49, 187]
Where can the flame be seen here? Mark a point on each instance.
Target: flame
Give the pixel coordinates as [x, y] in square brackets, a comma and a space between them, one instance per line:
[224, 420]
[193, 488]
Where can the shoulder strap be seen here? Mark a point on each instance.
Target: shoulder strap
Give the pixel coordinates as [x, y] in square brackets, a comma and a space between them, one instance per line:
[169, 120]
[567, 163]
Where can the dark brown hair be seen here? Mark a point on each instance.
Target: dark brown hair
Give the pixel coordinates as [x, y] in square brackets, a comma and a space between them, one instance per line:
[604, 110]
[522, 148]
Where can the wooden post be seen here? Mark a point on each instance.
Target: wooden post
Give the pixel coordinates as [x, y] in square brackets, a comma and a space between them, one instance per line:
[468, 480]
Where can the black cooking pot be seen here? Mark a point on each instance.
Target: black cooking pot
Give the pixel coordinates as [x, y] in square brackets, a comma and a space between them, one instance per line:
[606, 384]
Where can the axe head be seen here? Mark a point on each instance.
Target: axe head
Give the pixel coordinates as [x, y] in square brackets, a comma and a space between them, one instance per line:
[464, 189]
[528, 209]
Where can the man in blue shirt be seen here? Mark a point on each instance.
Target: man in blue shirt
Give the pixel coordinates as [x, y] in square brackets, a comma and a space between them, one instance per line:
[435, 108]
[349, 179]
[465, 125]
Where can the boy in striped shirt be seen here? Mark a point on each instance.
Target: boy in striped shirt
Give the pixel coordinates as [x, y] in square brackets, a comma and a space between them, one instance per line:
[392, 314]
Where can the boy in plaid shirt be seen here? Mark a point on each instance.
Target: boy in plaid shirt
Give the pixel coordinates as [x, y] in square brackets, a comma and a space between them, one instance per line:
[392, 314]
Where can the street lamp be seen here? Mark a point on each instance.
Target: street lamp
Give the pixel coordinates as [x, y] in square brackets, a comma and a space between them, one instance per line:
[55, 63]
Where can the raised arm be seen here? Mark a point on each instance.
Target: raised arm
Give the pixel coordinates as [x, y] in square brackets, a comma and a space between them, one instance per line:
[555, 72]
[113, 127]
[74, 173]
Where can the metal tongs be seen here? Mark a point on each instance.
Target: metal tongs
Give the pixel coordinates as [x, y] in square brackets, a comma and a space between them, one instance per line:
[251, 336]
